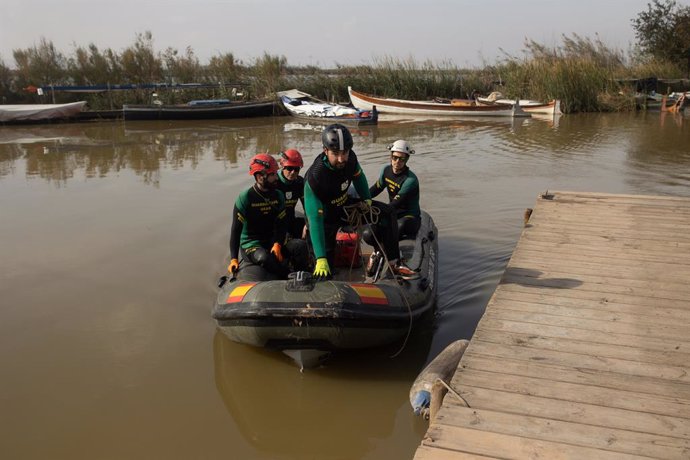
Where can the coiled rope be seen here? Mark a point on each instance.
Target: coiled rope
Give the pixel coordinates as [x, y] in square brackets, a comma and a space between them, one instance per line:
[357, 215]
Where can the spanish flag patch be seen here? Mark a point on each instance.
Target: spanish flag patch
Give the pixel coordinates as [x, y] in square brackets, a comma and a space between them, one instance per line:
[237, 294]
[370, 294]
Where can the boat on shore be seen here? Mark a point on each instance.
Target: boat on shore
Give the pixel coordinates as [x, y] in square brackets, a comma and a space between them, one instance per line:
[307, 319]
[200, 110]
[36, 113]
[304, 106]
[445, 108]
[552, 107]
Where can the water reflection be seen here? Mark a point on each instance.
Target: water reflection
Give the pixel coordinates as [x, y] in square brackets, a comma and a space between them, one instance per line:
[287, 414]
[58, 152]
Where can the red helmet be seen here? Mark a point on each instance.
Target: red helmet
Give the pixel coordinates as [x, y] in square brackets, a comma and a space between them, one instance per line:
[262, 162]
[291, 157]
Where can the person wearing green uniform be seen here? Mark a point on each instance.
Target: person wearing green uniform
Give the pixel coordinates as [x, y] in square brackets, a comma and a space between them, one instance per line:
[258, 224]
[292, 186]
[325, 194]
[403, 189]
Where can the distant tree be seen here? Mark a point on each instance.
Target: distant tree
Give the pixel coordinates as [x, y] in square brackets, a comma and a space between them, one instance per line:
[222, 68]
[268, 71]
[6, 76]
[40, 65]
[90, 66]
[139, 61]
[181, 68]
[663, 31]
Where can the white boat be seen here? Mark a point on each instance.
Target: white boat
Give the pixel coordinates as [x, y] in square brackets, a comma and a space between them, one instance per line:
[433, 108]
[22, 113]
[552, 107]
[303, 105]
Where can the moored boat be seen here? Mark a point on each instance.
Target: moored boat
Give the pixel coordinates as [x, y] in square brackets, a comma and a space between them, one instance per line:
[432, 108]
[29, 113]
[200, 110]
[552, 107]
[301, 316]
[303, 105]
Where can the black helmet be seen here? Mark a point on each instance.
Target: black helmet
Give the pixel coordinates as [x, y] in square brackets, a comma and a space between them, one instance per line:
[336, 137]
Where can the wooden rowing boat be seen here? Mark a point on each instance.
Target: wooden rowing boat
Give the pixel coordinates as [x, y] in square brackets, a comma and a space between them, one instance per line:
[552, 107]
[432, 108]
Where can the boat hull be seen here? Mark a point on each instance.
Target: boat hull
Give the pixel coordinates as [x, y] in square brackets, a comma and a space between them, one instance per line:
[548, 108]
[187, 112]
[332, 315]
[326, 113]
[33, 113]
[431, 108]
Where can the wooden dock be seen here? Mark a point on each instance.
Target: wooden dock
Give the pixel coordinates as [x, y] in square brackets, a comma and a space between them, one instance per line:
[584, 349]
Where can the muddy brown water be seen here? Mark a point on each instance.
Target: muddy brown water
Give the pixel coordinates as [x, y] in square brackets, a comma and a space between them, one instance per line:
[113, 234]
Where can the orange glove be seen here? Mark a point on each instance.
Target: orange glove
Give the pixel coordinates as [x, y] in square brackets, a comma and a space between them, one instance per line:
[234, 266]
[276, 251]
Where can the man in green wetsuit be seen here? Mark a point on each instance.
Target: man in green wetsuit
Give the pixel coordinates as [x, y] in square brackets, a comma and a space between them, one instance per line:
[292, 186]
[403, 189]
[258, 223]
[325, 194]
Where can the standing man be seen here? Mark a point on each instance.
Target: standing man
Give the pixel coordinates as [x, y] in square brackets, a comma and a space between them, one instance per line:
[292, 186]
[403, 189]
[325, 194]
[258, 223]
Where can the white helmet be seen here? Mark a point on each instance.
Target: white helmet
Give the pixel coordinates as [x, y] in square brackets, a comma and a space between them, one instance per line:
[401, 146]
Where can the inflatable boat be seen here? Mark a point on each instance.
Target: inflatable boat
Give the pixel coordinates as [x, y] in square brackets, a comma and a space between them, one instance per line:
[307, 318]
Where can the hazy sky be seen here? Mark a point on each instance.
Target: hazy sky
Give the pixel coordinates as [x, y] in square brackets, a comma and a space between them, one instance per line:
[320, 32]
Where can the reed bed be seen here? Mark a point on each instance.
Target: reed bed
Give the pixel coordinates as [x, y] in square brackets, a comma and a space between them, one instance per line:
[583, 73]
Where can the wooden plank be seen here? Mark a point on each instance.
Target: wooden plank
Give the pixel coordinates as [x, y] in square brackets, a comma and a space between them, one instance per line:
[580, 361]
[640, 213]
[602, 298]
[657, 226]
[605, 379]
[574, 266]
[506, 446]
[611, 229]
[629, 353]
[577, 276]
[520, 327]
[567, 411]
[641, 329]
[609, 439]
[628, 254]
[619, 198]
[429, 453]
[669, 248]
[575, 392]
[592, 308]
[514, 276]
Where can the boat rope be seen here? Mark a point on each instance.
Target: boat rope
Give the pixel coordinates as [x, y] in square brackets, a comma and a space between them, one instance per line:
[453, 392]
[357, 215]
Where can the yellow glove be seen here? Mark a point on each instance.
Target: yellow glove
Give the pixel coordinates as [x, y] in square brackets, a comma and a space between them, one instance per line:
[322, 270]
[234, 266]
[276, 251]
[365, 205]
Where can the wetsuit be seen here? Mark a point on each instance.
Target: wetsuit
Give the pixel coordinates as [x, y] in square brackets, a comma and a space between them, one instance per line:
[403, 195]
[294, 192]
[325, 194]
[259, 221]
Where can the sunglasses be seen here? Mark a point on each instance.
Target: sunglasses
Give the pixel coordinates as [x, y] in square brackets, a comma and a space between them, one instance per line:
[291, 168]
[397, 158]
